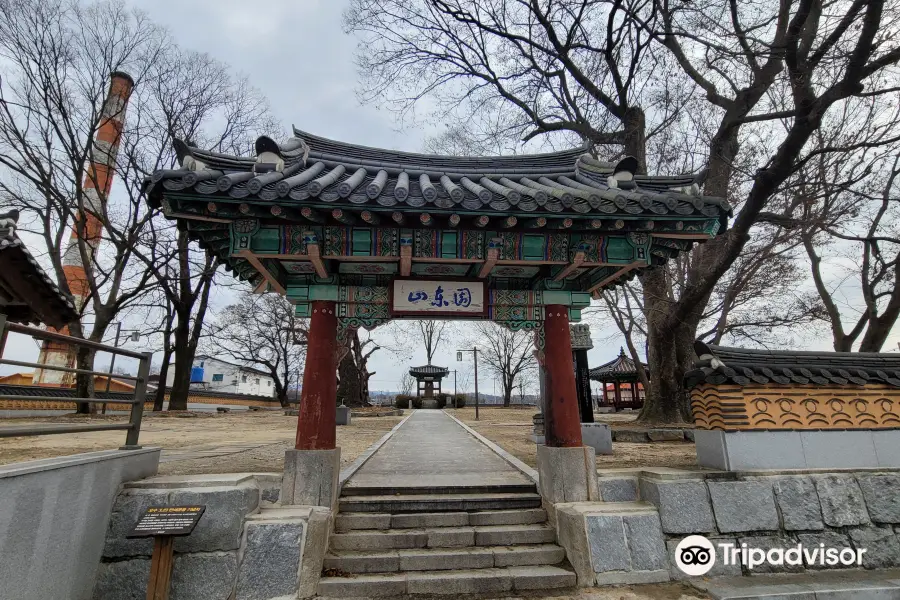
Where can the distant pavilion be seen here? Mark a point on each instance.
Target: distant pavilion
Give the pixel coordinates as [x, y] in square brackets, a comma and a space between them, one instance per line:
[618, 371]
[426, 376]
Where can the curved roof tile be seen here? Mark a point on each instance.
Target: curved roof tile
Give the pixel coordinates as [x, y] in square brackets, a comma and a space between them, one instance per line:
[720, 364]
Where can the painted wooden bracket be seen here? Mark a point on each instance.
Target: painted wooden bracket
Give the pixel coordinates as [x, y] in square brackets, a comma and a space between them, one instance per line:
[405, 260]
[257, 264]
[595, 289]
[493, 255]
[314, 253]
[576, 264]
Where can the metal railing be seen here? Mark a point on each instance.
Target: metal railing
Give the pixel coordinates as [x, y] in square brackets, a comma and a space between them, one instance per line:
[133, 427]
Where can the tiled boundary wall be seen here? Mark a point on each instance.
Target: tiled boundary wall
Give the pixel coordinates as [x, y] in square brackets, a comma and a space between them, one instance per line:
[632, 535]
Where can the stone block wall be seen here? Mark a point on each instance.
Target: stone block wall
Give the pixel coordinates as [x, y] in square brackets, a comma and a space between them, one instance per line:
[244, 547]
[852, 510]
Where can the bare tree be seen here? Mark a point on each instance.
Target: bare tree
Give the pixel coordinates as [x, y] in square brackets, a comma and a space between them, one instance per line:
[262, 331]
[428, 334]
[58, 56]
[507, 353]
[848, 223]
[595, 70]
[353, 370]
[407, 384]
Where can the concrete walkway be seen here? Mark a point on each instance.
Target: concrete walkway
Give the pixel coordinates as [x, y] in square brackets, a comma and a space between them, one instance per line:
[431, 450]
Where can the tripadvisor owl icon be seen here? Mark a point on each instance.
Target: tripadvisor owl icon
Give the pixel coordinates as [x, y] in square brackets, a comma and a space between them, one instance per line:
[695, 555]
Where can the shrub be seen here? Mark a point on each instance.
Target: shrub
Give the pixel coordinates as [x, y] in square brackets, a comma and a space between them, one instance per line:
[417, 403]
[401, 401]
[441, 400]
[459, 401]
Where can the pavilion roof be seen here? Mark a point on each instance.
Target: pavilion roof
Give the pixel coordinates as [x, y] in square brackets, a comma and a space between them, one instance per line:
[32, 296]
[719, 364]
[319, 173]
[429, 370]
[621, 368]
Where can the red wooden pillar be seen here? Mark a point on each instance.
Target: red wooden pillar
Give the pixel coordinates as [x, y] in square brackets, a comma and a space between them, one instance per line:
[318, 400]
[618, 396]
[562, 423]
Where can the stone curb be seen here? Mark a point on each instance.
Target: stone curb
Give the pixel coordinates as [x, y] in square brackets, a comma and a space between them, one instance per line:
[355, 466]
[514, 462]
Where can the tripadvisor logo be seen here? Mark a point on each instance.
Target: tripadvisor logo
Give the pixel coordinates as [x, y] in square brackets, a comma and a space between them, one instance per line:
[695, 555]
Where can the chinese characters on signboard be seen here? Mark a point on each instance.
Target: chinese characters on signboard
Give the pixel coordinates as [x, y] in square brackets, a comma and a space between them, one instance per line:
[412, 297]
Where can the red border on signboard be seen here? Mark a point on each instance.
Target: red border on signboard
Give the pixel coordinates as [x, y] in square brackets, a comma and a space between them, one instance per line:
[426, 314]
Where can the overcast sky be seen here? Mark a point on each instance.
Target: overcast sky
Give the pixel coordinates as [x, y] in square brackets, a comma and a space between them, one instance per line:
[296, 53]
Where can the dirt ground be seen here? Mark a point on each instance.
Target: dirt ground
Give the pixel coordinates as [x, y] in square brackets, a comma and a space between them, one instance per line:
[236, 442]
[511, 427]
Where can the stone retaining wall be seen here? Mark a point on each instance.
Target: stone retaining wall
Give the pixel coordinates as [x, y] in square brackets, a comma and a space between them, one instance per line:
[245, 547]
[854, 510]
[631, 536]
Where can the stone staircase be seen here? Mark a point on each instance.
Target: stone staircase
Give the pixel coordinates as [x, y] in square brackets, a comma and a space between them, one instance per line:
[447, 540]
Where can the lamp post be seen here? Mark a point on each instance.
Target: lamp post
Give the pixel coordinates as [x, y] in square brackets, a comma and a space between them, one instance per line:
[474, 351]
[134, 337]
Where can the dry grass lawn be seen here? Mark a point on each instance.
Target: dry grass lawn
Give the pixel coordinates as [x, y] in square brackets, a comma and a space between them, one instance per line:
[236, 442]
[511, 427]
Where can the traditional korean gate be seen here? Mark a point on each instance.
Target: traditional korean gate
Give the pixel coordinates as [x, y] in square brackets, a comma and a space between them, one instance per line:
[356, 236]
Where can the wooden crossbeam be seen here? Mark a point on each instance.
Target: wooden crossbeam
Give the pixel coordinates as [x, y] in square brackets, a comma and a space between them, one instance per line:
[493, 255]
[257, 264]
[594, 289]
[574, 266]
[194, 217]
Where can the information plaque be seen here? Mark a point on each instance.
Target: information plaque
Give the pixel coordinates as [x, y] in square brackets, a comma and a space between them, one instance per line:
[167, 520]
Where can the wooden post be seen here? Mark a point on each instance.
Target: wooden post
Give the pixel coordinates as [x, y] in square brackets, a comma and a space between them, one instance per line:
[161, 567]
[318, 403]
[605, 394]
[618, 395]
[562, 423]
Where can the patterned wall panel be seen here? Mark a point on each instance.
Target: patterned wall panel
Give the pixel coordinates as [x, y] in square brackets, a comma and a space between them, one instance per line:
[795, 407]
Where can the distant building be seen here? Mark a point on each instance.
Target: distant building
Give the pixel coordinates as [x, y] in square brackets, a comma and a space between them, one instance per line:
[212, 374]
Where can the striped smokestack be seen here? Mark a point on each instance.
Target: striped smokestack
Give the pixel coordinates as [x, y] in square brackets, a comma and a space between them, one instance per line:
[95, 191]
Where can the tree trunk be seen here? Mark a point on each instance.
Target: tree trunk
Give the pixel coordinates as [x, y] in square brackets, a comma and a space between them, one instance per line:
[84, 383]
[160, 396]
[349, 390]
[670, 354]
[635, 134]
[184, 360]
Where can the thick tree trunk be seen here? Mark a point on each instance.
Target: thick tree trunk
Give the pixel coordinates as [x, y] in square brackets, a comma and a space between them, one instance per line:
[160, 397]
[184, 360]
[84, 383]
[635, 141]
[349, 390]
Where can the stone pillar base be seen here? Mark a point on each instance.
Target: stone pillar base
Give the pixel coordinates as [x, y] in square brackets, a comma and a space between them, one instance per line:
[598, 437]
[567, 474]
[343, 415]
[311, 477]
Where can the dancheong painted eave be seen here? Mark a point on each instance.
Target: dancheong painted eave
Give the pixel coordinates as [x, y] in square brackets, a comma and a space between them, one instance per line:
[309, 182]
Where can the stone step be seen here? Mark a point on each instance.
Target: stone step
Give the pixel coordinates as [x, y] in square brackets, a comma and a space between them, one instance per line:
[413, 503]
[449, 583]
[444, 559]
[353, 490]
[444, 537]
[367, 521]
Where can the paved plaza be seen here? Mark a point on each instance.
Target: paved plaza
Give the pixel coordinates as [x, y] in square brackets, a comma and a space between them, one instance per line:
[431, 450]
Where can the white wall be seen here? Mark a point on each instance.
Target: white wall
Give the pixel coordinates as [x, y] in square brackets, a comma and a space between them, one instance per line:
[234, 380]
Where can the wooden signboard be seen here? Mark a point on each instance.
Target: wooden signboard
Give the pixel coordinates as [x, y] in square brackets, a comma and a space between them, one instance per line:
[164, 524]
[436, 298]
